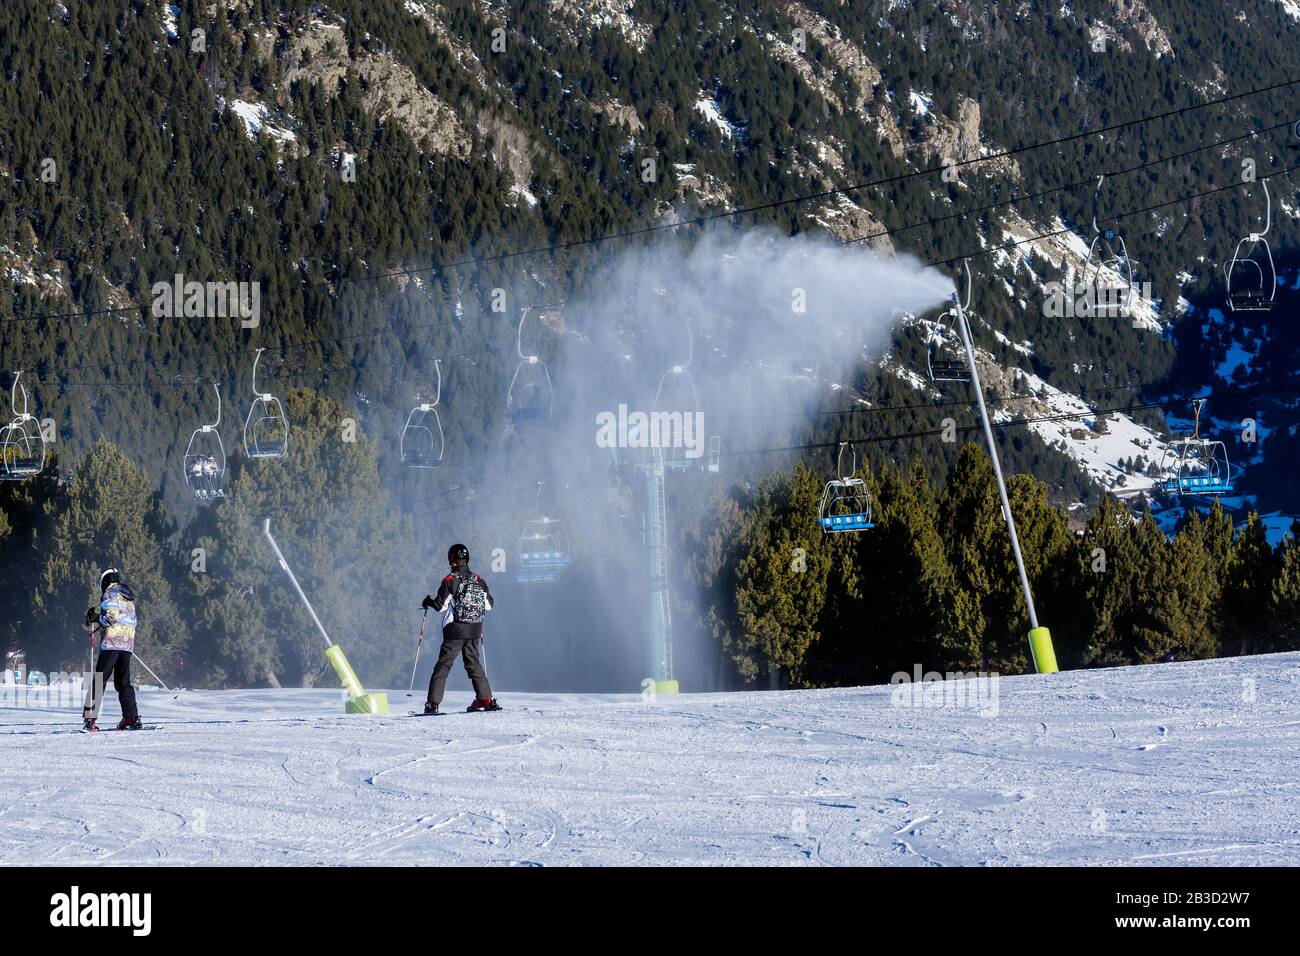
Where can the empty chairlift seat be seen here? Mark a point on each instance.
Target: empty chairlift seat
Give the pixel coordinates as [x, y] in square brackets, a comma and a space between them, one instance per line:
[266, 429]
[1194, 465]
[845, 503]
[543, 552]
[1250, 274]
[1108, 272]
[531, 397]
[423, 442]
[22, 443]
[945, 352]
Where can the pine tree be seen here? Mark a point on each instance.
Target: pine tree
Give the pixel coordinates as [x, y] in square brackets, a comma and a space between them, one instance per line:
[1110, 570]
[781, 583]
[338, 531]
[1247, 590]
[111, 518]
[1050, 555]
[987, 590]
[1174, 605]
[1285, 597]
[908, 600]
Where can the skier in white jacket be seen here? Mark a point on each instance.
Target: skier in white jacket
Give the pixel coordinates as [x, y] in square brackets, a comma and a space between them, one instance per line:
[115, 621]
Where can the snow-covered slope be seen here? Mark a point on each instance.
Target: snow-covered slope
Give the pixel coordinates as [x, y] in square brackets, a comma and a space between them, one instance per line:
[1170, 764]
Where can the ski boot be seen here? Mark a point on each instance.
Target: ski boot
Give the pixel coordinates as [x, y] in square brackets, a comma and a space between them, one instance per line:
[487, 703]
[88, 726]
[431, 710]
[125, 724]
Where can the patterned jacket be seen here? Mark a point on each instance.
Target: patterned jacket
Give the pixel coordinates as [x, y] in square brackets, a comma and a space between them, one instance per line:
[117, 618]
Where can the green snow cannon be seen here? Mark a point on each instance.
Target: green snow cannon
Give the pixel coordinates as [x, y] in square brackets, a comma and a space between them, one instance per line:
[359, 702]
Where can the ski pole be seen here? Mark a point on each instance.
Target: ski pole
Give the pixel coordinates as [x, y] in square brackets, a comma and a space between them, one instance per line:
[151, 673]
[90, 673]
[418, 642]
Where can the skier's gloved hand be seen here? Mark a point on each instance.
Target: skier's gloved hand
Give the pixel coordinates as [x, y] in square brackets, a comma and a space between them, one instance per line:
[428, 601]
[92, 616]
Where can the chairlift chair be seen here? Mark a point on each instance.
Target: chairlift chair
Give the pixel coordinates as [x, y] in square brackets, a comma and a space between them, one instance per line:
[676, 395]
[543, 548]
[22, 443]
[205, 459]
[531, 397]
[266, 429]
[945, 353]
[845, 503]
[543, 551]
[422, 441]
[1194, 465]
[1252, 278]
[1107, 251]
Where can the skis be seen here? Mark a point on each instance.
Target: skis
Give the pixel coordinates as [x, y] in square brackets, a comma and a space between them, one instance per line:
[443, 713]
[111, 730]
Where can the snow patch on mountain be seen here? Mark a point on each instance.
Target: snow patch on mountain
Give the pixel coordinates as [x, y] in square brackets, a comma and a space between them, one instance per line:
[31, 268]
[1065, 249]
[522, 192]
[615, 14]
[170, 12]
[712, 111]
[1098, 454]
[254, 117]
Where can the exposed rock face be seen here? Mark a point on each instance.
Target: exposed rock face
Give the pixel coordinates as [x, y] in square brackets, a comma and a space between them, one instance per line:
[959, 140]
[847, 221]
[1135, 15]
[29, 267]
[433, 16]
[614, 13]
[851, 62]
[509, 146]
[617, 113]
[848, 59]
[706, 190]
[553, 318]
[388, 89]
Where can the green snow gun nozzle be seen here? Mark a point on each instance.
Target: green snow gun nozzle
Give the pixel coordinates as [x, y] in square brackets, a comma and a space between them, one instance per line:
[1040, 646]
[359, 702]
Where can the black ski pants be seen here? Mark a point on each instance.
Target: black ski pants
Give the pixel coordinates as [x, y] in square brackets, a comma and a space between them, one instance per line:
[453, 647]
[117, 665]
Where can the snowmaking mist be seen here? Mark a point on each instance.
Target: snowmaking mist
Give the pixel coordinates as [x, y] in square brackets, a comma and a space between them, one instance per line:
[709, 348]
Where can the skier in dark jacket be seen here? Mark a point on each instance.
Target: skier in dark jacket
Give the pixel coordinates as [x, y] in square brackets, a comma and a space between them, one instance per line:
[115, 620]
[463, 599]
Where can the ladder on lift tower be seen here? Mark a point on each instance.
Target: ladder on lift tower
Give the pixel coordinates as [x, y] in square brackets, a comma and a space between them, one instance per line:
[657, 529]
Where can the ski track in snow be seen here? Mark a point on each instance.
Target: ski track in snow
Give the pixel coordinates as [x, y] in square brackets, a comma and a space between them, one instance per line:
[1160, 765]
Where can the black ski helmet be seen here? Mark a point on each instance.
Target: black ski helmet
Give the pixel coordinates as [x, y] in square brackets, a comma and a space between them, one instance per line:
[107, 577]
[458, 554]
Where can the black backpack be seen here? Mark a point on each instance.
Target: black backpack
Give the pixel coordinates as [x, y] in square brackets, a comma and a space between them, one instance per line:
[469, 595]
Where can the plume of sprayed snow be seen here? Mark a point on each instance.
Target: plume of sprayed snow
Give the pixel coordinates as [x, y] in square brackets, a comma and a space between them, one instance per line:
[764, 326]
